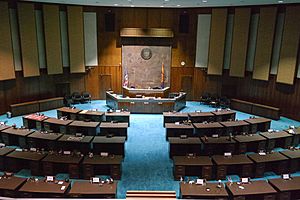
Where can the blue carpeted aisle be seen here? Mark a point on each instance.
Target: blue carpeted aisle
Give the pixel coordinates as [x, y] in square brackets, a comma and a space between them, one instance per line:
[146, 164]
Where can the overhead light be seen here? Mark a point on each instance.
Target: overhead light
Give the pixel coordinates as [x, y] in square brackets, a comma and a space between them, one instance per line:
[204, 1]
[116, 4]
[131, 5]
[166, 0]
[280, 1]
[178, 5]
[162, 6]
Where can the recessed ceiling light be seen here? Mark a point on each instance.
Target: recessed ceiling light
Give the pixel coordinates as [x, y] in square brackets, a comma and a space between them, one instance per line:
[162, 6]
[178, 5]
[131, 5]
[204, 1]
[116, 4]
[166, 0]
[280, 1]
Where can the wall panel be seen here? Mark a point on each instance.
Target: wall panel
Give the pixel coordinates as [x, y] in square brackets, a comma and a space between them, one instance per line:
[6, 49]
[202, 44]
[252, 41]
[240, 41]
[64, 38]
[228, 40]
[28, 39]
[90, 39]
[15, 39]
[289, 46]
[76, 43]
[217, 41]
[52, 39]
[264, 43]
[40, 38]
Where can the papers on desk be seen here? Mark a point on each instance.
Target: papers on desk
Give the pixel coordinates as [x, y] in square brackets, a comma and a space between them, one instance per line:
[63, 188]
[60, 182]
[2, 145]
[291, 131]
[200, 181]
[73, 138]
[84, 111]
[262, 153]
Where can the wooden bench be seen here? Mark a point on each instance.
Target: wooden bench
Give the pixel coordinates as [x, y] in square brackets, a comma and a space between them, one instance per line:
[36, 106]
[255, 109]
[150, 194]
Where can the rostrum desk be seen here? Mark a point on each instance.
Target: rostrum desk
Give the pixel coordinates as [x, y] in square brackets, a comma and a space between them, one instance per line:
[235, 164]
[288, 189]
[275, 162]
[184, 146]
[255, 190]
[201, 166]
[9, 186]
[86, 189]
[99, 165]
[206, 191]
[42, 189]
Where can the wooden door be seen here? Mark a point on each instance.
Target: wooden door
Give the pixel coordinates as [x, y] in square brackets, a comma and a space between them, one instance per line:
[104, 84]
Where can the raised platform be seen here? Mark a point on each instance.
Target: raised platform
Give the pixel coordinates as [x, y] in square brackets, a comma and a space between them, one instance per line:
[133, 92]
[146, 104]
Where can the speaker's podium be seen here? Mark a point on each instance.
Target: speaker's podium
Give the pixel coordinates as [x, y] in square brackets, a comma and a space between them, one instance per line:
[151, 92]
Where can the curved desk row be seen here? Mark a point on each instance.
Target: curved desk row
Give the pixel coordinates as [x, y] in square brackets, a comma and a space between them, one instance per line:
[235, 145]
[251, 165]
[50, 163]
[30, 188]
[287, 189]
[147, 104]
[197, 116]
[26, 138]
[219, 128]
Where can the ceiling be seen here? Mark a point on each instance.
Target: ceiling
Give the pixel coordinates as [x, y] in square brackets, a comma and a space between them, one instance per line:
[168, 3]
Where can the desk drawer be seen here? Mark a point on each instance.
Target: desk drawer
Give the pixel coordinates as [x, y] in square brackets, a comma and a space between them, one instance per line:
[260, 169]
[221, 172]
[207, 172]
[48, 168]
[242, 148]
[247, 171]
[284, 196]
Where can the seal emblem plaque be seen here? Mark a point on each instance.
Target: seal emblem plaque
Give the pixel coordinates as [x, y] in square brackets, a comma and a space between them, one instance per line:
[146, 53]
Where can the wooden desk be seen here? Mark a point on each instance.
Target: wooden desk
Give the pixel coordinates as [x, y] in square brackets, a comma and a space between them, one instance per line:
[208, 129]
[70, 113]
[3, 152]
[98, 165]
[224, 115]
[287, 189]
[259, 124]
[118, 117]
[172, 117]
[16, 136]
[296, 135]
[17, 160]
[24, 108]
[275, 162]
[73, 143]
[55, 163]
[193, 191]
[43, 140]
[88, 115]
[86, 128]
[294, 159]
[86, 189]
[192, 166]
[34, 121]
[198, 117]
[250, 143]
[115, 129]
[176, 130]
[112, 145]
[57, 125]
[236, 127]
[277, 139]
[235, 164]
[218, 145]
[260, 190]
[42, 189]
[9, 185]
[184, 146]
[3, 127]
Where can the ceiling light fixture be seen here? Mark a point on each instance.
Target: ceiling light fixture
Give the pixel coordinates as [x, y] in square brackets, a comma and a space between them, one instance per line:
[204, 1]
[178, 5]
[280, 1]
[116, 4]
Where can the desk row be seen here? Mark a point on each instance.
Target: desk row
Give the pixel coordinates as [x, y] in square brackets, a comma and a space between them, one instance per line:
[198, 116]
[251, 165]
[26, 138]
[12, 186]
[279, 188]
[238, 144]
[73, 127]
[51, 163]
[219, 128]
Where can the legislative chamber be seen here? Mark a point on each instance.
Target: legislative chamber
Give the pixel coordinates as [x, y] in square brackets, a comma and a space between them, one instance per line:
[156, 99]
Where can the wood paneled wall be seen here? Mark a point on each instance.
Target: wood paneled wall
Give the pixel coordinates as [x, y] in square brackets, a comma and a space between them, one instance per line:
[183, 49]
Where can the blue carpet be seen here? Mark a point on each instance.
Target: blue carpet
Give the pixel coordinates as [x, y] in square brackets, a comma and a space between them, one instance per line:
[147, 165]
